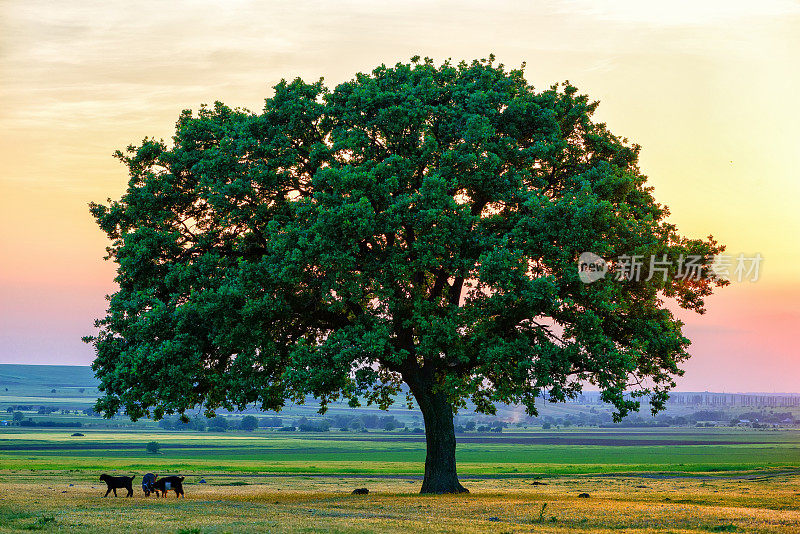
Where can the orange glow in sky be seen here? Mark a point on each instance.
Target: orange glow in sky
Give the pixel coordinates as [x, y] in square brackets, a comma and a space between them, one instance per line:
[707, 88]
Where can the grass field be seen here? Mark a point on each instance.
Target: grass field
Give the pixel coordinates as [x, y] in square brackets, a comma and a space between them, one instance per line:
[310, 504]
[658, 480]
[578, 452]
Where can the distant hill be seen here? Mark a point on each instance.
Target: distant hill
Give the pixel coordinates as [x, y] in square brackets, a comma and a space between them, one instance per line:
[47, 375]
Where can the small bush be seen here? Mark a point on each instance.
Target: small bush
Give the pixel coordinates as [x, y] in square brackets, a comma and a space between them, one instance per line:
[153, 447]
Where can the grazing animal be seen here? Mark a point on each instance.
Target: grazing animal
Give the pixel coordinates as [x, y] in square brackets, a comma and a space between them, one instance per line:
[172, 483]
[115, 483]
[147, 485]
[360, 491]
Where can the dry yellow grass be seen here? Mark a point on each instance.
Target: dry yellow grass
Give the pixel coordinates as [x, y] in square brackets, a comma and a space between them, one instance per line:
[320, 504]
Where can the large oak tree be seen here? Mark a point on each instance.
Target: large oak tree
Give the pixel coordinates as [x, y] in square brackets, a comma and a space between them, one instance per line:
[419, 224]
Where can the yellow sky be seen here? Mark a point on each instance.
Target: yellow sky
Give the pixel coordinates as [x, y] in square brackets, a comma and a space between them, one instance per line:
[707, 88]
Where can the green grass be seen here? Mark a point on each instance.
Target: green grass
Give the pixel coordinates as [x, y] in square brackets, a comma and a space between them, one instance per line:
[332, 453]
[279, 482]
[314, 504]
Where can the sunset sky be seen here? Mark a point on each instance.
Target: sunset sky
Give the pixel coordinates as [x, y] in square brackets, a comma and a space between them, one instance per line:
[708, 88]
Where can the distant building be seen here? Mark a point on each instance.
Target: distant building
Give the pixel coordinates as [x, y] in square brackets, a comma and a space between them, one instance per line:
[754, 400]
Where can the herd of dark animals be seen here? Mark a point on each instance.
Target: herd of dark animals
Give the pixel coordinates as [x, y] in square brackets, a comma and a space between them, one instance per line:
[150, 484]
[160, 486]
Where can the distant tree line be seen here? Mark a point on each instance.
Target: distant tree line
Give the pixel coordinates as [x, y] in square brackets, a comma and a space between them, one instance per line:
[20, 420]
[487, 426]
[41, 410]
[219, 423]
[364, 421]
[50, 424]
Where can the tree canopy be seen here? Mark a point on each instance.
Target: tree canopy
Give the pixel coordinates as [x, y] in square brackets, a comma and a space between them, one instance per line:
[418, 224]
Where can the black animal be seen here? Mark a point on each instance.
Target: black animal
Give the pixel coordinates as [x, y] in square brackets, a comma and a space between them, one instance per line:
[147, 485]
[172, 483]
[115, 483]
[360, 491]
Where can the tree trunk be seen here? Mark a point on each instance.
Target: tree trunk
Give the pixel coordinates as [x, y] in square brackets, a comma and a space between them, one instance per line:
[440, 436]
